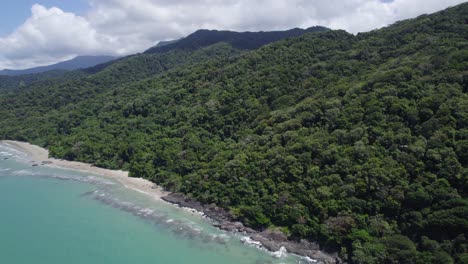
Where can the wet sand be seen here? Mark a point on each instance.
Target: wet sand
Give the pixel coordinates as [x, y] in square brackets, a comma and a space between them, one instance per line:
[40, 156]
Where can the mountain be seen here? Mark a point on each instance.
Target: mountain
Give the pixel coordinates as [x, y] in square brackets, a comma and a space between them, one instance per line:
[33, 81]
[201, 39]
[357, 142]
[79, 62]
[238, 40]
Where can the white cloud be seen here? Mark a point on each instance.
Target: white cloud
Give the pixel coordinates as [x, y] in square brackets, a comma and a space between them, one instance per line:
[119, 27]
[50, 35]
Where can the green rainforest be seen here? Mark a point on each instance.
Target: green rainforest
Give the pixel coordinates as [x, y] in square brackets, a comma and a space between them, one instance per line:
[358, 142]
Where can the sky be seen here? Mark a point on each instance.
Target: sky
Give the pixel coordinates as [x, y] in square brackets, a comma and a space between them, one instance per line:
[42, 32]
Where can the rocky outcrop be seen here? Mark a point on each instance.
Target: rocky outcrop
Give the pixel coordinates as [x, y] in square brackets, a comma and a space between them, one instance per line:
[272, 240]
[181, 200]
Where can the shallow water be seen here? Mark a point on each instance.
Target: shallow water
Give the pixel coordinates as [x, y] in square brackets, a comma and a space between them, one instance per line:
[50, 215]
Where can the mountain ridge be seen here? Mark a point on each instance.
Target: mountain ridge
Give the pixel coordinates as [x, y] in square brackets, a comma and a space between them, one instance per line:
[239, 40]
[79, 62]
[356, 142]
[203, 38]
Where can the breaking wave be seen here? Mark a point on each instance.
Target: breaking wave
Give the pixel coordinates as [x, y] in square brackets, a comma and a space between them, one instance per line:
[177, 227]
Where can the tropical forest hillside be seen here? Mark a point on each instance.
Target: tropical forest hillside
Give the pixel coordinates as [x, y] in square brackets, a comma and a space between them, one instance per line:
[79, 62]
[238, 40]
[359, 142]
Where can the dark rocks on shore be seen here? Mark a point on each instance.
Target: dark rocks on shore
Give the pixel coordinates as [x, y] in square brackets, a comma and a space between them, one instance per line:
[231, 226]
[35, 165]
[181, 200]
[272, 240]
[46, 162]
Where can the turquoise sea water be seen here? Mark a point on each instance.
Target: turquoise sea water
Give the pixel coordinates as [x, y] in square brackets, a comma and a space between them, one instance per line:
[50, 215]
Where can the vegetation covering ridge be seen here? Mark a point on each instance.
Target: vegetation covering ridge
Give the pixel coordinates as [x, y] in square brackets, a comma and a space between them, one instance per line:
[73, 64]
[238, 40]
[163, 56]
[358, 142]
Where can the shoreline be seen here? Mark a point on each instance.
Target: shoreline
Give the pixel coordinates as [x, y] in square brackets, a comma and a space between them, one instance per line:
[271, 240]
[40, 156]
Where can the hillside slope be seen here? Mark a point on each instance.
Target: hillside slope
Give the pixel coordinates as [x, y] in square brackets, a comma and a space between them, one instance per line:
[357, 142]
[238, 40]
[79, 62]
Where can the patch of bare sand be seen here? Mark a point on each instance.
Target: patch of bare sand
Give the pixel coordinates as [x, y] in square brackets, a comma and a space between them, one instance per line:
[40, 156]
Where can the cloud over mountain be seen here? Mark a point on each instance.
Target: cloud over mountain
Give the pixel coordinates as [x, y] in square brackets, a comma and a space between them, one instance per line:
[120, 27]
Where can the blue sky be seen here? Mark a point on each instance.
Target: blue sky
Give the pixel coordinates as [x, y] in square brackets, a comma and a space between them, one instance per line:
[42, 32]
[14, 12]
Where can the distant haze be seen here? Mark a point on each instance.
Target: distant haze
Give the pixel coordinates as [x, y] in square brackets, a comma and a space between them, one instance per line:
[73, 64]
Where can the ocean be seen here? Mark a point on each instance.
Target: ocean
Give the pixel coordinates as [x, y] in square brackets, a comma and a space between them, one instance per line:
[54, 216]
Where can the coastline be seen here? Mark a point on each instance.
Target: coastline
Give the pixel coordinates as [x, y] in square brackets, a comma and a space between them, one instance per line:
[272, 240]
[40, 156]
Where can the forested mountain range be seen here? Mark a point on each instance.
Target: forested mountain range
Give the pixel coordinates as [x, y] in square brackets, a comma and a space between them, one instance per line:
[358, 142]
[79, 62]
[238, 40]
[161, 57]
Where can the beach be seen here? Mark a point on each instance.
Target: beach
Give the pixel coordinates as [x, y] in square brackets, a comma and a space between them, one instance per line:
[268, 239]
[70, 212]
[40, 156]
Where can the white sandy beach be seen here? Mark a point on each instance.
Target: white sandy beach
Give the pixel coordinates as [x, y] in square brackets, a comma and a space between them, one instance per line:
[40, 156]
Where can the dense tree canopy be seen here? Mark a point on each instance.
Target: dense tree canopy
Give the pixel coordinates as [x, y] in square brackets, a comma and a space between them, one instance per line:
[238, 40]
[358, 142]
